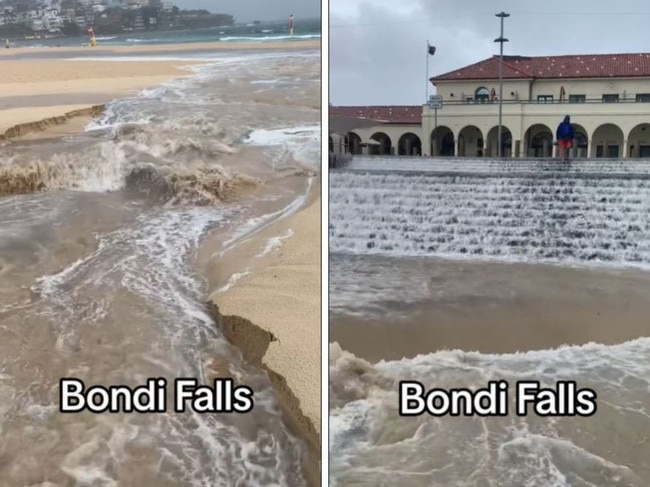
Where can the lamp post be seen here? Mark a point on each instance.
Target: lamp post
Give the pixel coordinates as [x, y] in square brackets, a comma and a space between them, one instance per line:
[500, 40]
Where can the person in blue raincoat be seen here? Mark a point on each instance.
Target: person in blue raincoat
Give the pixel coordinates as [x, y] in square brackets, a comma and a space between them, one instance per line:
[564, 134]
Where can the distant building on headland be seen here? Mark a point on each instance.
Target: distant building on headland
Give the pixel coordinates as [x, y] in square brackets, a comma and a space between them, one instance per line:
[606, 95]
[55, 18]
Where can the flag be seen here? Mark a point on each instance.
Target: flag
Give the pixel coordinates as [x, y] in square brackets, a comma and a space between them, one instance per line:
[431, 49]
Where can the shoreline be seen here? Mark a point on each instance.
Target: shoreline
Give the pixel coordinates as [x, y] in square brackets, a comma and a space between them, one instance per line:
[189, 46]
[280, 331]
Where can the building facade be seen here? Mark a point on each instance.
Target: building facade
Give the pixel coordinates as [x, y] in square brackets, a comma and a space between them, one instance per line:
[606, 95]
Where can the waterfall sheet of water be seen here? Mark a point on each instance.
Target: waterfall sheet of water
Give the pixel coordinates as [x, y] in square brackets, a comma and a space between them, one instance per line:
[515, 211]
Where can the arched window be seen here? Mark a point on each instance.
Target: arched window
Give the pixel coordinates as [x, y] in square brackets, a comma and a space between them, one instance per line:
[482, 95]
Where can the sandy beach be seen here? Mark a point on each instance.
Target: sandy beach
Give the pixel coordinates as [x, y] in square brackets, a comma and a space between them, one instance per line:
[52, 98]
[48, 88]
[280, 327]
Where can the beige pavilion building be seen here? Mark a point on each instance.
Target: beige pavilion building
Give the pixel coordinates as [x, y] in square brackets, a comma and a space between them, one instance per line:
[606, 95]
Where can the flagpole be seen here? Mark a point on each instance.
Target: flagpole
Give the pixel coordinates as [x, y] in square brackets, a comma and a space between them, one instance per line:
[426, 92]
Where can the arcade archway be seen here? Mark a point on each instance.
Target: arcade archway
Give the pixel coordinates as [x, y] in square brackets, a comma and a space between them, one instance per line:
[607, 141]
[538, 140]
[580, 142]
[639, 141]
[352, 143]
[385, 147]
[470, 142]
[492, 147]
[409, 144]
[442, 141]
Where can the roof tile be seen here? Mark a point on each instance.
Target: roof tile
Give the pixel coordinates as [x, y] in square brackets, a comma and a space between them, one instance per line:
[387, 114]
[546, 67]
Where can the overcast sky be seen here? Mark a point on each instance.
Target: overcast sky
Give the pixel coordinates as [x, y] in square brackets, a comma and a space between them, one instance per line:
[378, 47]
[249, 10]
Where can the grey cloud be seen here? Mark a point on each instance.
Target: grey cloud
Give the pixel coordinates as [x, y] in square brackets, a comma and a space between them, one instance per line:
[378, 53]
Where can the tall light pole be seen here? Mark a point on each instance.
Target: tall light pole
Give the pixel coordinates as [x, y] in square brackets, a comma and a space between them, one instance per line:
[500, 40]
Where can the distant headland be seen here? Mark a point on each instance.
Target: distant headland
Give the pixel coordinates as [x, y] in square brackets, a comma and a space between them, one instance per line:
[32, 19]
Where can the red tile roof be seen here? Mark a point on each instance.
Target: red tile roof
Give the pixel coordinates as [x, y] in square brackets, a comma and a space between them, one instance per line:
[387, 114]
[552, 67]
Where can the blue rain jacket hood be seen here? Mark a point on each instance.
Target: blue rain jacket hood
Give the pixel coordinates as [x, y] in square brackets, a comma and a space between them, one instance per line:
[565, 129]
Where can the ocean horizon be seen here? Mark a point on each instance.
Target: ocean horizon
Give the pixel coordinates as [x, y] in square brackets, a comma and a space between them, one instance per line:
[272, 31]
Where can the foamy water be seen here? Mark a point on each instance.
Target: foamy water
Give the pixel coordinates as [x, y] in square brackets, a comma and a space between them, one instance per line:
[97, 242]
[392, 220]
[519, 213]
[375, 446]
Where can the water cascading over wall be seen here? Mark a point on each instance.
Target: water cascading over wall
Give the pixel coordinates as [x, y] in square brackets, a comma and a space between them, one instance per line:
[595, 211]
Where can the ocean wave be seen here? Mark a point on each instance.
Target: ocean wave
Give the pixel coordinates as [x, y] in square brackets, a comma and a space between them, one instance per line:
[213, 38]
[269, 38]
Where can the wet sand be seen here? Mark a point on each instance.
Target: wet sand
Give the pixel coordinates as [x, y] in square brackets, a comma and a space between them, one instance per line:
[51, 88]
[502, 308]
[272, 313]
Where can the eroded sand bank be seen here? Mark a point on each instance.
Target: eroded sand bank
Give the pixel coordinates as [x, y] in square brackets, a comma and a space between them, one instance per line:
[53, 88]
[273, 316]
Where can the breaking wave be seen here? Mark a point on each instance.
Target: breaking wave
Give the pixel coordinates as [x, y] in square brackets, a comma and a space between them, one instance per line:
[269, 38]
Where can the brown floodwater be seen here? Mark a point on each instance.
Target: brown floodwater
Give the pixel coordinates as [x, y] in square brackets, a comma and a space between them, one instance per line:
[99, 234]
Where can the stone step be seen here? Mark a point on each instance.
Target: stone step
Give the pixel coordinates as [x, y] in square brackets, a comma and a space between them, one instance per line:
[521, 218]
